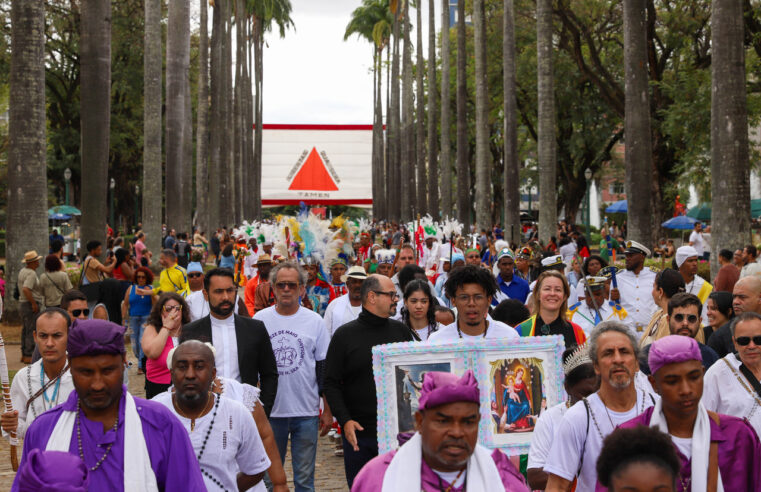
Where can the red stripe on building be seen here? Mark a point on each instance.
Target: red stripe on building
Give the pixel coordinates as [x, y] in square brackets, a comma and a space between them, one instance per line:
[323, 201]
[275, 126]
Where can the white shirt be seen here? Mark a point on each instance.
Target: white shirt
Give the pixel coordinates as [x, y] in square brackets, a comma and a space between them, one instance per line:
[226, 345]
[544, 435]
[585, 316]
[684, 444]
[637, 298]
[199, 306]
[25, 383]
[249, 263]
[724, 393]
[573, 435]
[568, 251]
[233, 446]
[752, 268]
[495, 329]
[340, 312]
[693, 288]
[298, 341]
[696, 239]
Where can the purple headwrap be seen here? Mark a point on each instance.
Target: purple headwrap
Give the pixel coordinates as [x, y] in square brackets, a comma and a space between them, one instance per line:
[440, 388]
[671, 350]
[52, 471]
[95, 337]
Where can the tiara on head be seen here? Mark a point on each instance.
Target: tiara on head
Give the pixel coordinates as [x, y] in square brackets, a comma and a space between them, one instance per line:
[578, 357]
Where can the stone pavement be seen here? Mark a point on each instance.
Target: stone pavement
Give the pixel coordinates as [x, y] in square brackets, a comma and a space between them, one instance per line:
[329, 470]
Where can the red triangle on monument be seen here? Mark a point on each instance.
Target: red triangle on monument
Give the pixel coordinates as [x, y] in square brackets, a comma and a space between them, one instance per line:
[313, 175]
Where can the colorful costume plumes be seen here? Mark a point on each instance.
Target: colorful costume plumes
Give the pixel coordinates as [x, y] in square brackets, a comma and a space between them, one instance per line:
[344, 233]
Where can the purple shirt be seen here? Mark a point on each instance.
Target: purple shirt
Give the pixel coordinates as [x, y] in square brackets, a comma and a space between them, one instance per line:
[370, 478]
[739, 452]
[172, 457]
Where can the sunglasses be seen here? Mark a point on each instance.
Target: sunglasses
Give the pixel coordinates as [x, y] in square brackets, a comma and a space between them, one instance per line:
[169, 309]
[284, 285]
[78, 312]
[691, 318]
[743, 341]
[194, 274]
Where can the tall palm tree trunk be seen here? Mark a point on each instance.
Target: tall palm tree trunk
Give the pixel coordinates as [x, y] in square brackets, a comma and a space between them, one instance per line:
[238, 129]
[395, 134]
[729, 130]
[446, 145]
[379, 204]
[152, 163]
[483, 183]
[259, 64]
[202, 132]
[546, 122]
[251, 189]
[27, 198]
[215, 120]
[638, 156]
[228, 197]
[463, 166]
[512, 198]
[186, 223]
[433, 161]
[407, 184]
[422, 184]
[95, 114]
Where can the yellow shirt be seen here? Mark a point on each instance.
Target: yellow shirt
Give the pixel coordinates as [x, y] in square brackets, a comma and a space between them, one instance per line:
[174, 279]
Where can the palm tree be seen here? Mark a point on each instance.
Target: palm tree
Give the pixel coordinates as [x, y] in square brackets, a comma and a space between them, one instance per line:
[215, 120]
[512, 198]
[177, 61]
[239, 128]
[546, 121]
[226, 191]
[463, 166]
[95, 112]
[483, 183]
[433, 164]
[27, 198]
[729, 129]
[202, 132]
[153, 60]
[407, 185]
[393, 135]
[446, 146]
[638, 156]
[422, 195]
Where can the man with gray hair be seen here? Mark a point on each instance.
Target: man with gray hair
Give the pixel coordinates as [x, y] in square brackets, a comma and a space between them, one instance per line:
[746, 298]
[300, 343]
[578, 440]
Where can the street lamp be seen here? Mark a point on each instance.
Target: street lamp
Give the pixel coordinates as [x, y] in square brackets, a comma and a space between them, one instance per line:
[137, 205]
[67, 178]
[588, 177]
[112, 185]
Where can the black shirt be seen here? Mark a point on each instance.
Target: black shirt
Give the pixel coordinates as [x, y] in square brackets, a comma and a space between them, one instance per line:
[721, 341]
[349, 382]
[557, 327]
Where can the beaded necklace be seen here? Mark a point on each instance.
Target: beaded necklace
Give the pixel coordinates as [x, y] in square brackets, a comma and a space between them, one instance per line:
[594, 419]
[206, 440]
[448, 489]
[459, 333]
[740, 380]
[79, 441]
[53, 400]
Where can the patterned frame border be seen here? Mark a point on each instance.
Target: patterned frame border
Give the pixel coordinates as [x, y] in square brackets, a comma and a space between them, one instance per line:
[466, 354]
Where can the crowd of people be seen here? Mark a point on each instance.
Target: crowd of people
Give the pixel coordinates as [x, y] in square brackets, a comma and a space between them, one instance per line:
[262, 335]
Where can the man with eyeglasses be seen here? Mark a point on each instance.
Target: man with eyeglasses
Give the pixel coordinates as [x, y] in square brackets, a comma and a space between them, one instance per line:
[300, 343]
[472, 289]
[244, 351]
[684, 312]
[349, 382]
[731, 386]
[746, 298]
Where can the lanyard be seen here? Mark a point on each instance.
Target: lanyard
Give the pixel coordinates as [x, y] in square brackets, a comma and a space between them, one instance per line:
[53, 398]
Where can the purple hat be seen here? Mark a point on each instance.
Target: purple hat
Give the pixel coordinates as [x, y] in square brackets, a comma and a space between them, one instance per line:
[95, 337]
[52, 471]
[440, 388]
[672, 349]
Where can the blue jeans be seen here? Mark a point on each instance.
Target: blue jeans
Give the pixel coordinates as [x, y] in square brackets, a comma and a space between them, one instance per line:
[136, 325]
[303, 432]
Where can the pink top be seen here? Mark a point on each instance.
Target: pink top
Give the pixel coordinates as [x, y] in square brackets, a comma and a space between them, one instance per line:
[156, 370]
[139, 247]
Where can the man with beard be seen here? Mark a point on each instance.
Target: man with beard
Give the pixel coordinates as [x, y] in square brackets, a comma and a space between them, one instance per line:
[244, 351]
[349, 382]
[347, 307]
[635, 287]
[127, 443]
[197, 303]
[614, 351]
[684, 320]
[444, 453]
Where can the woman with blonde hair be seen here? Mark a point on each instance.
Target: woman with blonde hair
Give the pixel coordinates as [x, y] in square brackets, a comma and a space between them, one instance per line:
[549, 305]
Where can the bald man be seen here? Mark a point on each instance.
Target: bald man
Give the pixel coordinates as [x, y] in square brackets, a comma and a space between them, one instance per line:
[349, 384]
[746, 298]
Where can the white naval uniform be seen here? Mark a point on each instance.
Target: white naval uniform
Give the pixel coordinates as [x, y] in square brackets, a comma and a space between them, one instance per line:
[584, 316]
[637, 298]
[727, 391]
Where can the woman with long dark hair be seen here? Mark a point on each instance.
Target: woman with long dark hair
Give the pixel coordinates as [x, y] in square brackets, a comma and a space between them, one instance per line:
[719, 312]
[161, 334]
[419, 310]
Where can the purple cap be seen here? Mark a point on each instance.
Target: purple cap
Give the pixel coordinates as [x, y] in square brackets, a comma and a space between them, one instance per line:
[440, 388]
[52, 471]
[95, 337]
[672, 349]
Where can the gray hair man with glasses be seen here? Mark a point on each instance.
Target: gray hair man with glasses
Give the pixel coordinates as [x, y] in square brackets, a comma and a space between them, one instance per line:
[349, 383]
[731, 386]
[471, 289]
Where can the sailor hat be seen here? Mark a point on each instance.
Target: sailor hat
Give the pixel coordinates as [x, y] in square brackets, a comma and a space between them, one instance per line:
[635, 247]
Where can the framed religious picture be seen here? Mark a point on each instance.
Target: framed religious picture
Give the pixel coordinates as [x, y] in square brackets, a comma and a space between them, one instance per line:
[399, 370]
[518, 380]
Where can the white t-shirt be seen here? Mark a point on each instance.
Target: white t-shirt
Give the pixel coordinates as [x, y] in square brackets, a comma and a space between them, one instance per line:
[696, 238]
[495, 329]
[233, 446]
[298, 341]
[226, 344]
[576, 431]
[339, 312]
[544, 434]
[684, 444]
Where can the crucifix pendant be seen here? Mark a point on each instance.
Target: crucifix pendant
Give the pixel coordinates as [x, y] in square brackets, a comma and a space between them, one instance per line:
[192, 425]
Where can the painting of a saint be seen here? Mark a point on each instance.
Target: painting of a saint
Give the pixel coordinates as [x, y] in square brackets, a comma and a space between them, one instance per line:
[409, 382]
[517, 396]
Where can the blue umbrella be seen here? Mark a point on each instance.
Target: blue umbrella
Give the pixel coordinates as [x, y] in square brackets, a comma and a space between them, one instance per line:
[680, 222]
[620, 207]
[59, 217]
